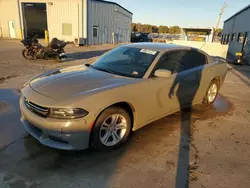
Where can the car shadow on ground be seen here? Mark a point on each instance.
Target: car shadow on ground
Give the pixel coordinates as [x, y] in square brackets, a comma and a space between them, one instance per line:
[10, 126]
[33, 163]
[96, 169]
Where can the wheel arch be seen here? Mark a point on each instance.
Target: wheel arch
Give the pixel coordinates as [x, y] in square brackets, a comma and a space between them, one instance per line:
[217, 78]
[123, 104]
[128, 107]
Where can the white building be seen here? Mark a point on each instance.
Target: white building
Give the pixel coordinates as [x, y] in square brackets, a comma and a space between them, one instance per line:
[236, 31]
[198, 34]
[91, 21]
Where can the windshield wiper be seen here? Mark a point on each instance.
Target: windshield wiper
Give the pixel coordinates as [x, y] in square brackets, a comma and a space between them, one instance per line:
[104, 70]
[108, 71]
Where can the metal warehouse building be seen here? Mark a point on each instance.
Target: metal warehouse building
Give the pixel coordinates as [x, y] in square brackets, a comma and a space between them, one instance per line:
[236, 31]
[84, 21]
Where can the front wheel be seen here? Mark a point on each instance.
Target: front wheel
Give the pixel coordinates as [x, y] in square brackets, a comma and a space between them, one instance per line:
[26, 54]
[112, 128]
[211, 93]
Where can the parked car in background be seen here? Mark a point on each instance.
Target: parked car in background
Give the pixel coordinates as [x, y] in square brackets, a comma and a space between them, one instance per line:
[140, 37]
[166, 36]
[125, 89]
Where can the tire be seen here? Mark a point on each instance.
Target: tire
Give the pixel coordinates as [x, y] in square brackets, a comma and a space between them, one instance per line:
[58, 59]
[211, 93]
[45, 56]
[26, 54]
[103, 137]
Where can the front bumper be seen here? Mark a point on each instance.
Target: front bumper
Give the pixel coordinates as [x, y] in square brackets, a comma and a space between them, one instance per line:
[56, 133]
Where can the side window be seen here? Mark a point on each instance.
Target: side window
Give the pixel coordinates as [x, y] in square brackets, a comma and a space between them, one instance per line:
[95, 31]
[192, 59]
[170, 61]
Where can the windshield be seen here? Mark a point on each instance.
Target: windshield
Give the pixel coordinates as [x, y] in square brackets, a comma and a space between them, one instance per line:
[126, 61]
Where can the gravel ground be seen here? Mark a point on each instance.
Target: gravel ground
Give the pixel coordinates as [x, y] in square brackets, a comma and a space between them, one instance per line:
[217, 151]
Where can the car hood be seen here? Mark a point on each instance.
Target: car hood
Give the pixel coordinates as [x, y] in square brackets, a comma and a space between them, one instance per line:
[76, 80]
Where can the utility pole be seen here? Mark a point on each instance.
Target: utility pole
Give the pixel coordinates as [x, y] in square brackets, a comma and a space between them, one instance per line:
[221, 12]
[219, 18]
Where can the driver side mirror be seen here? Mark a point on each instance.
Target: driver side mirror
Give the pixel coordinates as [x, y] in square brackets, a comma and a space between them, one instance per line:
[163, 73]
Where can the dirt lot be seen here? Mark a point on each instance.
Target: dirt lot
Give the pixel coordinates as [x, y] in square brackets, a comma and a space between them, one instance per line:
[12, 64]
[217, 153]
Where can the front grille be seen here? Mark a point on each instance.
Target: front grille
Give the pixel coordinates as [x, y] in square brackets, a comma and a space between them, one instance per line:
[37, 109]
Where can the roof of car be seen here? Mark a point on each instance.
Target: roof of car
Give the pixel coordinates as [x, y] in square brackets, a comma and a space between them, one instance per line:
[157, 46]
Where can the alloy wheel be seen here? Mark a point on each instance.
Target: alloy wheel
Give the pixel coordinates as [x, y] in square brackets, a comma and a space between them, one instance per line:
[113, 129]
[212, 93]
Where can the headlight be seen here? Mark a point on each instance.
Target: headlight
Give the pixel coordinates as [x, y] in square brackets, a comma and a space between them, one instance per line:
[67, 113]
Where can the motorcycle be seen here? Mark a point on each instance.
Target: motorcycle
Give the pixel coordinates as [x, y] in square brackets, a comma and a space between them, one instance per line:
[31, 47]
[238, 58]
[55, 49]
[34, 50]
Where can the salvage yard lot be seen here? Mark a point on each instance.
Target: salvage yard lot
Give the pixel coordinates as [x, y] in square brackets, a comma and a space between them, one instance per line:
[219, 154]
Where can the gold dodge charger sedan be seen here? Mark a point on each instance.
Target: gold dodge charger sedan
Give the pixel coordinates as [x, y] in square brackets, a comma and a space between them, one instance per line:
[128, 87]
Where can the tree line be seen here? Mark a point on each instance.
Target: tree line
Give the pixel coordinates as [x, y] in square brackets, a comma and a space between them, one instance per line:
[147, 28]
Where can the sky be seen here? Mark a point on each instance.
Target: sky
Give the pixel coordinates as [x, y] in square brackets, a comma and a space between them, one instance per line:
[185, 13]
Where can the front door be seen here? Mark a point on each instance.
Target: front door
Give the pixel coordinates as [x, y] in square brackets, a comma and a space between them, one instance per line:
[12, 29]
[186, 87]
[161, 102]
[179, 90]
[166, 98]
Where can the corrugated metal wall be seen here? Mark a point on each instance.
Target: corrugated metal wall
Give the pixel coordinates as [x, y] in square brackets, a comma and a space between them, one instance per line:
[109, 18]
[61, 12]
[238, 24]
[9, 12]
